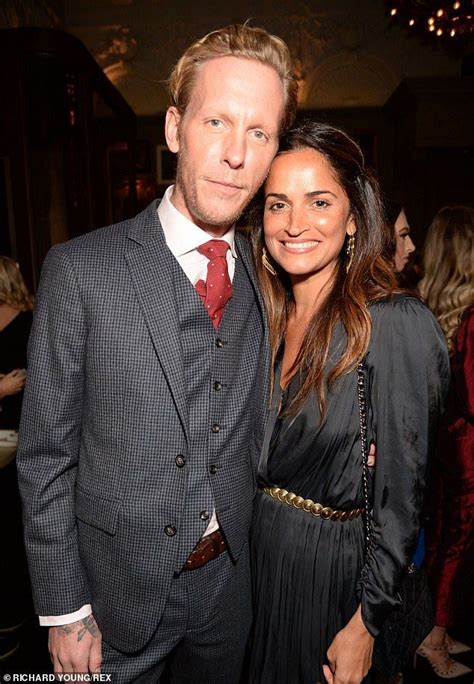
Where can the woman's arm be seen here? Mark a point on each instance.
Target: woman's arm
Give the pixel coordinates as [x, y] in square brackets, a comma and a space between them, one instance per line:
[463, 373]
[350, 653]
[408, 380]
[408, 369]
[12, 383]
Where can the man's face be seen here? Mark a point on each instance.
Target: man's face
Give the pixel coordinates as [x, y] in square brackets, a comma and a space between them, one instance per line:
[226, 140]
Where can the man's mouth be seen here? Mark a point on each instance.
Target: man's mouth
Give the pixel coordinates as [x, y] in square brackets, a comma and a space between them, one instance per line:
[231, 187]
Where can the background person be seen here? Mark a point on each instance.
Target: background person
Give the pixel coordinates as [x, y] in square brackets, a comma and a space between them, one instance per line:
[400, 244]
[16, 306]
[448, 289]
[15, 322]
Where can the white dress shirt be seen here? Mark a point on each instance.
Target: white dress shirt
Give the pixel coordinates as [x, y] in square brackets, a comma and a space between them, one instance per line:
[183, 238]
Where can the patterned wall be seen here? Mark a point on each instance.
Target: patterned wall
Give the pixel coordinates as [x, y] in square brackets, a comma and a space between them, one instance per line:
[347, 53]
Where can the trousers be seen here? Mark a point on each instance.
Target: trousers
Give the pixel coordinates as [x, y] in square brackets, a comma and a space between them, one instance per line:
[202, 635]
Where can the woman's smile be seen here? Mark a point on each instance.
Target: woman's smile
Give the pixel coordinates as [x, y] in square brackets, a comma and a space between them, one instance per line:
[296, 246]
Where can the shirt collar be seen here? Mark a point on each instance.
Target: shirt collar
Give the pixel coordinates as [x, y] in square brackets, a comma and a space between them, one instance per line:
[181, 234]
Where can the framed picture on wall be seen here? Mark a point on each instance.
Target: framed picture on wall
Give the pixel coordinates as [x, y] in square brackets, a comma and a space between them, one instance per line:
[165, 165]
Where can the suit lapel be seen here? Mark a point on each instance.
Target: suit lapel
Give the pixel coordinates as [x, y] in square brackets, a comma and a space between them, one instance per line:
[244, 252]
[148, 264]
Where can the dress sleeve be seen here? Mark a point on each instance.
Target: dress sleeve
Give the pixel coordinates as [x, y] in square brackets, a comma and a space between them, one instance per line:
[463, 371]
[408, 381]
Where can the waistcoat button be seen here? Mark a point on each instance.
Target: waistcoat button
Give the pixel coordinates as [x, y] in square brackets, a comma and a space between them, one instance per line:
[215, 428]
[217, 386]
[180, 461]
[170, 531]
[204, 515]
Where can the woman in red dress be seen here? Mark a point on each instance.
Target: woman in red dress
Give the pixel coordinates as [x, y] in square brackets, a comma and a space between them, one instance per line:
[448, 289]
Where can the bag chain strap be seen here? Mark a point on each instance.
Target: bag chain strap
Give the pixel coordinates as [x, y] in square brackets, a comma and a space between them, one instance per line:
[364, 449]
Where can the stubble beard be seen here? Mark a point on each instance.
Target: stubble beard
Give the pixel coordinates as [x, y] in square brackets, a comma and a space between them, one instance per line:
[201, 214]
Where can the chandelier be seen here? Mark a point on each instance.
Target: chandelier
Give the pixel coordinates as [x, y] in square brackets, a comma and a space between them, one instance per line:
[453, 20]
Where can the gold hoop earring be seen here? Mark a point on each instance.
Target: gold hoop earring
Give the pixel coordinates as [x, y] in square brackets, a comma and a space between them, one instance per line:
[266, 262]
[350, 247]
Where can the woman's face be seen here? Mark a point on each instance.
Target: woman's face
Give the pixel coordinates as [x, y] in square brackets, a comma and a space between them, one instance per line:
[306, 213]
[403, 243]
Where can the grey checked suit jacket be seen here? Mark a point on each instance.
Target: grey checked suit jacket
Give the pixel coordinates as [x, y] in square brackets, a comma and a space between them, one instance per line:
[104, 418]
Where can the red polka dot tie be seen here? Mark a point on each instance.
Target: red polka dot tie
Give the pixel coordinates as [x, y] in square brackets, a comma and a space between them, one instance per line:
[217, 290]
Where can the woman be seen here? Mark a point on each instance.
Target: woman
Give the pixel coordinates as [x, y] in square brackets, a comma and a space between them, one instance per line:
[15, 322]
[448, 289]
[16, 304]
[400, 246]
[331, 303]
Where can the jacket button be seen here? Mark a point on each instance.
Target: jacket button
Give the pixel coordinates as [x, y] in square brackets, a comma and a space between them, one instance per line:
[217, 386]
[180, 461]
[215, 428]
[204, 515]
[170, 531]
[220, 343]
[213, 469]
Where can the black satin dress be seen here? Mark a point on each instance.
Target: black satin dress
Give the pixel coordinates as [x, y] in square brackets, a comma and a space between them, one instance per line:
[310, 574]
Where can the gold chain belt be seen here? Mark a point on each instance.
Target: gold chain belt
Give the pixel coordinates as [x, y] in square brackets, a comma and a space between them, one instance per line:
[310, 506]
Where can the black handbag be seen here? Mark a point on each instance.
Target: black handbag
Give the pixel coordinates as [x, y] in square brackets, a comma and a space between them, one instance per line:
[412, 619]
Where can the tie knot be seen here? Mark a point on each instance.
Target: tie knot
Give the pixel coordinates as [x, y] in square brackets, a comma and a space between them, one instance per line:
[213, 249]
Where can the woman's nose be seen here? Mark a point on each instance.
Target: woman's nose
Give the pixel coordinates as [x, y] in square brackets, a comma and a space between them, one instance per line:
[296, 223]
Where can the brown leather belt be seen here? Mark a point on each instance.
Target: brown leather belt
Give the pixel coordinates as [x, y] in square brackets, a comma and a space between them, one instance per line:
[207, 548]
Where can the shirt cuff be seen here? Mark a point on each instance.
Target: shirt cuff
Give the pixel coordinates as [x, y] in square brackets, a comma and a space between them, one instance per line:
[58, 620]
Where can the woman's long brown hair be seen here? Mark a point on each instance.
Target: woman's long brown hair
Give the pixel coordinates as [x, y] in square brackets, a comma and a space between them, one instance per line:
[370, 277]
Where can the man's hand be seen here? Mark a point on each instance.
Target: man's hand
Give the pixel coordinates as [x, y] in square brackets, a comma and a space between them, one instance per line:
[12, 383]
[77, 647]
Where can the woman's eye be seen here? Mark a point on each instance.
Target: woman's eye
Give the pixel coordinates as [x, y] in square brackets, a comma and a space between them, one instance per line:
[276, 206]
[321, 203]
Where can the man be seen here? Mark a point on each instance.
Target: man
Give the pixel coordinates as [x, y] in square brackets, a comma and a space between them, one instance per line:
[146, 392]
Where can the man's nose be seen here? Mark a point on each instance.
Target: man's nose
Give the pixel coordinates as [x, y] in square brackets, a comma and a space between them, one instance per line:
[235, 150]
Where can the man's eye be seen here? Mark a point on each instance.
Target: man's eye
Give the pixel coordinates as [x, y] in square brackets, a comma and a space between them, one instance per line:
[260, 135]
[215, 123]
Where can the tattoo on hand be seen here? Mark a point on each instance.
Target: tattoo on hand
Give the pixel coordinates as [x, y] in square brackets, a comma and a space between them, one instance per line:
[88, 626]
[65, 630]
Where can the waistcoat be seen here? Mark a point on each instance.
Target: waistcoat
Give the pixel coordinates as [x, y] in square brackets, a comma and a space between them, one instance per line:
[221, 374]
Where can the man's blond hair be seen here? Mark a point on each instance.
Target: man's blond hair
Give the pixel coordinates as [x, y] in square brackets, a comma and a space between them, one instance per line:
[236, 40]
